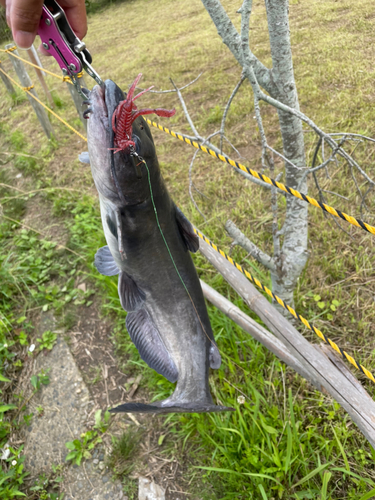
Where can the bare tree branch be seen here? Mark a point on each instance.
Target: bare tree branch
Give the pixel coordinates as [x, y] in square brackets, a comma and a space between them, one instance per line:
[248, 70]
[232, 40]
[326, 162]
[222, 127]
[186, 112]
[277, 153]
[349, 135]
[171, 90]
[202, 140]
[277, 88]
[336, 194]
[358, 139]
[191, 185]
[363, 202]
[240, 239]
[323, 200]
[261, 130]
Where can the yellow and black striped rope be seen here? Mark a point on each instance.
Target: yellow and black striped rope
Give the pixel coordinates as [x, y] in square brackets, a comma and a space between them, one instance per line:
[268, 180]
[269, 292]
[27, 90]
[62, 78]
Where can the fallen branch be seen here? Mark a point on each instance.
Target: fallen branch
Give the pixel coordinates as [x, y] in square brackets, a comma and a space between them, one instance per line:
[255, 329]
[321, 370]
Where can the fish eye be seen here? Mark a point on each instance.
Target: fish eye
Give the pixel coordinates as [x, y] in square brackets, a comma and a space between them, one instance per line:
[141, 127]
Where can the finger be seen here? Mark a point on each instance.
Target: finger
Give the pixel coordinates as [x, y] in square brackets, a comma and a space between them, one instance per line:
[24, 19]
[7, 13]
[75, 11]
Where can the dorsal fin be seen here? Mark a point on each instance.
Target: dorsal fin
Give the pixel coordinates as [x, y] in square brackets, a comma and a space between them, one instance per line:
[147, 340]
[104, 262]
[191, 240]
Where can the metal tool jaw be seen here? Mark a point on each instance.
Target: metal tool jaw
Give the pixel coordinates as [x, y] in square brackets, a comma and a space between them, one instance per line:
[60, 40]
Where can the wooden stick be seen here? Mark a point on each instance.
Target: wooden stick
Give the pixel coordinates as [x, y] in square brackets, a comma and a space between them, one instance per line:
[35, 60]
[38, 61]
[255, 329]
[7, 83]
[360, 407]
[26, 82]
[340, 365]
[77, 99]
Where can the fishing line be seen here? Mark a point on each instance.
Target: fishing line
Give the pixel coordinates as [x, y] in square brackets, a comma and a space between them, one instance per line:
[169, 251]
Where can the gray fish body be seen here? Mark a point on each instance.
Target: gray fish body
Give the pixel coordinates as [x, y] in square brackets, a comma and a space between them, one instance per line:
[169, 326]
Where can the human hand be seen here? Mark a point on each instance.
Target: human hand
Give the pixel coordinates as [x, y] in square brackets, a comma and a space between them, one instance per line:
[23, 18]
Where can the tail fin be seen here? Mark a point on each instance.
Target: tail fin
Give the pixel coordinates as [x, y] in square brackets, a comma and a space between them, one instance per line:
[156, 408]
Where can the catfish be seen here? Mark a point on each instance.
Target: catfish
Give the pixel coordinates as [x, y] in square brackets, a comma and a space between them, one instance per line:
[149, 241]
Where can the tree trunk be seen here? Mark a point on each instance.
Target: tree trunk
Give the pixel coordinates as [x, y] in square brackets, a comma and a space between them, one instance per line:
[293, 256]
[279, 83]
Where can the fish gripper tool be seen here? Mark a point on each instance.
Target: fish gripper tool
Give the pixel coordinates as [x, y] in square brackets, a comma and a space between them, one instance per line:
[60, 41]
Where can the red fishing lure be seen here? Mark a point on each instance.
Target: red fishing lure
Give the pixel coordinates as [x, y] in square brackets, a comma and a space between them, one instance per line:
[125, 114]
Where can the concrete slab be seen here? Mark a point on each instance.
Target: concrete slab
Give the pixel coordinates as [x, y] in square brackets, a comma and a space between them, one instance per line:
[66, 404]
[59, 410]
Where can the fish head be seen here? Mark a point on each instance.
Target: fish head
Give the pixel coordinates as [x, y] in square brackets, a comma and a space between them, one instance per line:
[119, 176]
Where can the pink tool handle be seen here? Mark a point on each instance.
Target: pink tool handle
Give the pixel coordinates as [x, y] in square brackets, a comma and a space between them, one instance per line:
[48, 31]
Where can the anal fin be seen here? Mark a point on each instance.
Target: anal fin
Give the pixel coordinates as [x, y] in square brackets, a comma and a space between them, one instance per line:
[214, 356]
[147, 340]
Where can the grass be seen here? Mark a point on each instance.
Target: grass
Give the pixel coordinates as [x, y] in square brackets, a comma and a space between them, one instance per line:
[124, 449]
[285, 440]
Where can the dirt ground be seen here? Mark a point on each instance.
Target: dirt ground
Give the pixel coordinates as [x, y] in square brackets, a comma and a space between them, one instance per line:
[94, 354]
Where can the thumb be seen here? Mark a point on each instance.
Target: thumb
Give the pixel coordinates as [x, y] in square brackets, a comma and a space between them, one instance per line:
[24, 19]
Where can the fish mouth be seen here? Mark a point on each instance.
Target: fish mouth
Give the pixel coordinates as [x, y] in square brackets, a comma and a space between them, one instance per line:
[104, 100]
[97, 106]
[112, 96]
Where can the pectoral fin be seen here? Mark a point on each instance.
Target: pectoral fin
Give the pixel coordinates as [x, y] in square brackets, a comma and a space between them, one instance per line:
[84, 157]
[191, 240]
[104, 262]
[131, 296]
[152, 350]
